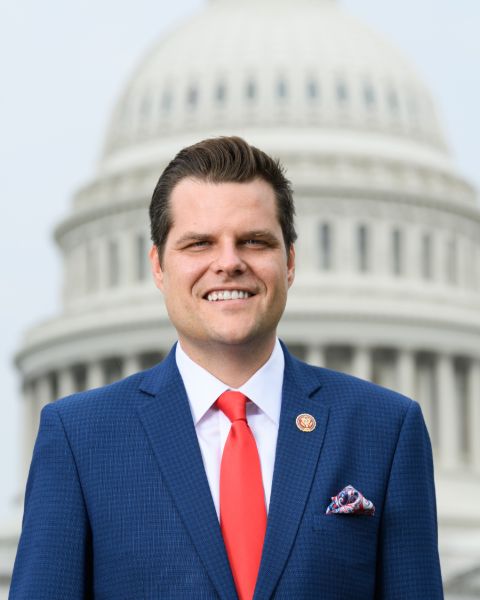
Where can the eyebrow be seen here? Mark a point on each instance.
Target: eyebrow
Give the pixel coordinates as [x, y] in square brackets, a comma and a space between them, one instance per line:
[191, 236]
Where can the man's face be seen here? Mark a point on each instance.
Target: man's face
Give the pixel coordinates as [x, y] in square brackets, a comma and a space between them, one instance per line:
[225, 270]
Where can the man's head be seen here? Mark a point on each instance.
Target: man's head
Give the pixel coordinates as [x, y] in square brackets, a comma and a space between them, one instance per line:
[223, 254]
[221, 160]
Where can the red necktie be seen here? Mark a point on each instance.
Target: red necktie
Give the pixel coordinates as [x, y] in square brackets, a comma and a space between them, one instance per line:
[243, 517]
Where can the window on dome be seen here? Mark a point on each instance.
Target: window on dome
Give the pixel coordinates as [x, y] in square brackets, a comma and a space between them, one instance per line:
[282, 89]
[342, 92]
[451, 262]
[397, 252]
[363, 249]
[251, 90]
[426, 256]
[113, 263]
[312, 90]
[141, 254]
[325, 246]
[192, 97]
[369, 96]
[220, 93]
[166, 101]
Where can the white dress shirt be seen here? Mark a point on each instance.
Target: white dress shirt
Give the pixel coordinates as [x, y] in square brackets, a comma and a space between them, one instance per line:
[264, 389]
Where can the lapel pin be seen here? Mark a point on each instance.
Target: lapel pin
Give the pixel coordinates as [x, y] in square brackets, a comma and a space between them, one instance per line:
[306, 422]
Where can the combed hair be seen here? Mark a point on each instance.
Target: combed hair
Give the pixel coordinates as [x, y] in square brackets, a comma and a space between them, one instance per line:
[221, 160]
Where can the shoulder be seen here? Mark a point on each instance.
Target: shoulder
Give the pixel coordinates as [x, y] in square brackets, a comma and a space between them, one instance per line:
[108, 400]
[351, 393]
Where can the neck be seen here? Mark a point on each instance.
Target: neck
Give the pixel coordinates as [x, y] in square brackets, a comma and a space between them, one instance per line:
[232, 364]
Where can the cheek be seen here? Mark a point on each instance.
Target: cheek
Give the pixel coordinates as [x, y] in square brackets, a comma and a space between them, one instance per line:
[182, 277]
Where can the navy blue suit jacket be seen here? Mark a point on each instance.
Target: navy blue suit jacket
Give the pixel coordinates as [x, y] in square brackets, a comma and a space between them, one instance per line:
[118, 505]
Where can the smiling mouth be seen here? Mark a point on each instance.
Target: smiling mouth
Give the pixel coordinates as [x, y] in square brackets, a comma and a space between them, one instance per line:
[228, 295]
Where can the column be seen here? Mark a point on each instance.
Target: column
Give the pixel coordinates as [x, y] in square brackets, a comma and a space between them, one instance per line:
[29, 423]
[315, 355]
[66, 382]
[131, 364]
[362, 363]
[449, 425]
[43, 392]
[406, 372]
[95, 375]
[474, 412]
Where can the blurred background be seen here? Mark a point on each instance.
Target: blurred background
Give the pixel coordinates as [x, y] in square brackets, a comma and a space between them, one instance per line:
[372, 106]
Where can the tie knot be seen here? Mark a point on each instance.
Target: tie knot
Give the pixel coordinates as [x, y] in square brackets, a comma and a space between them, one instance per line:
[232, 404]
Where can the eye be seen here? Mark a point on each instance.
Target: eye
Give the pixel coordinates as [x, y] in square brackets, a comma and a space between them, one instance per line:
[199, 244]
[254, 242]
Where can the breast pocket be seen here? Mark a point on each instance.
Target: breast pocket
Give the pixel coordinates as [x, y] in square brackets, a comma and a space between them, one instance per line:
[348, 538]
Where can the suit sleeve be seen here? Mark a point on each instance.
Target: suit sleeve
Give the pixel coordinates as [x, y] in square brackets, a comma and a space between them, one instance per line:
[408, 564]
[54, 554]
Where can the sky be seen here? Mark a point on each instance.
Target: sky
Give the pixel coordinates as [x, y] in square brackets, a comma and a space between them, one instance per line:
[63, 65]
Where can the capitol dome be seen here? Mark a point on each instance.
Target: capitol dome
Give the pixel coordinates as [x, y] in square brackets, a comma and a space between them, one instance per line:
[388, 273]
[306, 65]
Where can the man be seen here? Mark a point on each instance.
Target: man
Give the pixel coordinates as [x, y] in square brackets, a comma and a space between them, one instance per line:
[156, 486]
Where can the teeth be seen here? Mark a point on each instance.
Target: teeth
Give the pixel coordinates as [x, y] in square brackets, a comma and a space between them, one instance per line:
[227, 295]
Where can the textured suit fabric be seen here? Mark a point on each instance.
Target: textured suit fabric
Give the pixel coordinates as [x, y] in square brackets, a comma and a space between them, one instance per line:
[118, 505]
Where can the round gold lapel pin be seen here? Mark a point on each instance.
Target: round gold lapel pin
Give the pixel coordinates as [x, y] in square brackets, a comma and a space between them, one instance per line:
[306, 422]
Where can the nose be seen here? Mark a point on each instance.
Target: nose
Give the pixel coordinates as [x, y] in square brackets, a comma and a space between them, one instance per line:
[228, 259]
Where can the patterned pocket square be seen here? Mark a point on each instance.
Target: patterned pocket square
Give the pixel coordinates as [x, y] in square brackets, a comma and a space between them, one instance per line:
[350, 500]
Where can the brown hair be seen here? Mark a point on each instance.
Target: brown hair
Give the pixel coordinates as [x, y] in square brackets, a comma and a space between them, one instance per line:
[221, 160]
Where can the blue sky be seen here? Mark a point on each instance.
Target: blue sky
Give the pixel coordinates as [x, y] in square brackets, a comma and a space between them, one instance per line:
[63, 65]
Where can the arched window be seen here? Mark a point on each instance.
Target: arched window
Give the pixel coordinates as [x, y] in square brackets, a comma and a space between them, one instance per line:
[312, 90]
[397, 252]
[281, 89]
[363, 248]
[192, 97]
[251, 90]
[220, 93]
[369, 96]
[426, 256]
[325, 246]
[342, 92]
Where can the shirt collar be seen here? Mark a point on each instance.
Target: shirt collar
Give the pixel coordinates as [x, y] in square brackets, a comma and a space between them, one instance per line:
[264, 388]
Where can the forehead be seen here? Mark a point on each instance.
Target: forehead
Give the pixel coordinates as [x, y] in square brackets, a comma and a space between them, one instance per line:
[195, 201]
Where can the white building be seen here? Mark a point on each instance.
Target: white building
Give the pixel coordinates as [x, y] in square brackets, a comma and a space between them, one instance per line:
[388, 277]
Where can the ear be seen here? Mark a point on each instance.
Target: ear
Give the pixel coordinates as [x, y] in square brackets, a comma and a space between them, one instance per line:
[291, 265]
[157, 271]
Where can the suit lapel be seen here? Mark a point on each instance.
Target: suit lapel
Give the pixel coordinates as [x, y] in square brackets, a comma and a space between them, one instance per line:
[167, 420]
[296, 460]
